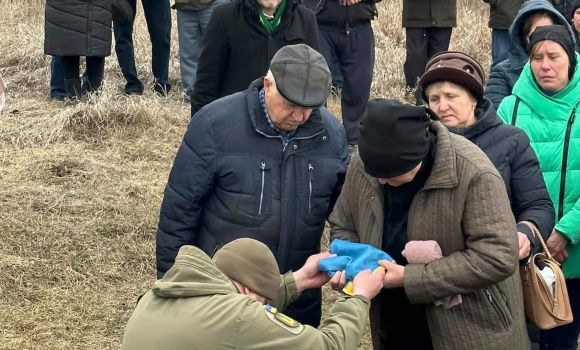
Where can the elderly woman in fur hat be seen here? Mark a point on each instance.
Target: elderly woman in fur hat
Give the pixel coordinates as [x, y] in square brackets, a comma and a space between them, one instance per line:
[453, 88]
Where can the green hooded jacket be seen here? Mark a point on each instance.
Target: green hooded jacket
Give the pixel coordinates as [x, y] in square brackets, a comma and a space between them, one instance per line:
[196, 306]
[554, 132]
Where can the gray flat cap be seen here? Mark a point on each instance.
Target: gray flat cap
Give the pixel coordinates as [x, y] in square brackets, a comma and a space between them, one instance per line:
[302, 75]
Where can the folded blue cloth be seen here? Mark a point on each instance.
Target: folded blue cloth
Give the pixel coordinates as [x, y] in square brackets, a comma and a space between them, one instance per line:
[352, 258]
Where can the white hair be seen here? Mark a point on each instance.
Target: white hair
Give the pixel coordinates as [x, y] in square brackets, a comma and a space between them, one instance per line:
[271, 78]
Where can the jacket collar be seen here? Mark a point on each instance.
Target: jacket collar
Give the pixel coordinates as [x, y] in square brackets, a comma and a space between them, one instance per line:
[251, 10]
[444, 172]
[313, 126]
[486, 119]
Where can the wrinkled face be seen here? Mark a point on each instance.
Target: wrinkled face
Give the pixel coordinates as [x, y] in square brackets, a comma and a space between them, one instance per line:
[576, 21]
[453, 104]
[284, 114]
[550, 64]
[401, 179]
[269, 5]
[538, 21]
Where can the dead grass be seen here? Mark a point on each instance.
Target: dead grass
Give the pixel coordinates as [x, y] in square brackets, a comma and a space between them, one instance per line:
[80, 186]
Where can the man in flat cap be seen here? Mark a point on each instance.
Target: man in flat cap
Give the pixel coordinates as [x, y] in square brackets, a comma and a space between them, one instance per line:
[415, 181]
[220, 304]
[267, 163]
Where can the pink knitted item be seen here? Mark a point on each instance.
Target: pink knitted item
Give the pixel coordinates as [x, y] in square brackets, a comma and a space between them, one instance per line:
[424, 252]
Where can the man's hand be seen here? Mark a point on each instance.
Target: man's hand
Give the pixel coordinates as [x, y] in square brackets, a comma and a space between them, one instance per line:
[557, 244]
[350, 2]
[394, 277]
[338, 281]
[524, 245]
[368, 284]
[309, 276]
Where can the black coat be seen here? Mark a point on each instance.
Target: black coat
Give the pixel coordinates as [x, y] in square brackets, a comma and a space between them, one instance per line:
[509, 150]
[233, 178]
[237, 49]
[429, 13]
[78, 28]
[503, 12]
[330, 13]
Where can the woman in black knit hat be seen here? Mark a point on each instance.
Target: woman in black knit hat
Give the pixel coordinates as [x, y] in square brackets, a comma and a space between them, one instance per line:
[545, 105]
[575, 18]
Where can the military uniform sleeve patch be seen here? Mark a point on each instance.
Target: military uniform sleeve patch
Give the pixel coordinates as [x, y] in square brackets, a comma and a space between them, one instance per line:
[283, 321]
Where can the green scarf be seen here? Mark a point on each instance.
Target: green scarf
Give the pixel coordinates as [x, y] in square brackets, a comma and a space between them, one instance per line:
[271, 25]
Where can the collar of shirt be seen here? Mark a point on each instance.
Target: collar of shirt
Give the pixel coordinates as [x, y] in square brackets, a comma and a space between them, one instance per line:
[285, 136]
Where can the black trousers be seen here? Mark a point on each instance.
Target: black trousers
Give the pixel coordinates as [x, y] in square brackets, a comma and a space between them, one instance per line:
[422, 44]
[71, 67]
[355, 51]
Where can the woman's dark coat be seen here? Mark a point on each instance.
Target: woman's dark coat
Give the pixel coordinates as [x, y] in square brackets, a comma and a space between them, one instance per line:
[509, 150]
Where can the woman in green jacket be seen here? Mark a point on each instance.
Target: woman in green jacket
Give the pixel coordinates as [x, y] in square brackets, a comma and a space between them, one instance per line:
[544, 104]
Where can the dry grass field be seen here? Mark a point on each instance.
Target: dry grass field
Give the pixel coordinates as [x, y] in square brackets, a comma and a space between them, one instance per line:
[81, 186]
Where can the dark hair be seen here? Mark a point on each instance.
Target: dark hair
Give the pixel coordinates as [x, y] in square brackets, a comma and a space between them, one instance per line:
[527, 22]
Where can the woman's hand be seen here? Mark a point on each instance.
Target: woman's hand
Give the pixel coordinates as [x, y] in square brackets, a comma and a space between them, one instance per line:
[557, 246]
[395, 275]
[525, 245]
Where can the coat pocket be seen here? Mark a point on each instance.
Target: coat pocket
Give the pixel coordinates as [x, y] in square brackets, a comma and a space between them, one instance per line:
[317, 181]
[244, 190]
[498, 304]
[486, 309]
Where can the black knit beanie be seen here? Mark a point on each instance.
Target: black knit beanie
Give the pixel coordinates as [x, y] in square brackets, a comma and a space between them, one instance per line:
[394, 137]
[575, 6]
[560, 35]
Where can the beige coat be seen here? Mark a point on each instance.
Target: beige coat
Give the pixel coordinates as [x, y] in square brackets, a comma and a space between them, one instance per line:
[464, 207]
[195, 306]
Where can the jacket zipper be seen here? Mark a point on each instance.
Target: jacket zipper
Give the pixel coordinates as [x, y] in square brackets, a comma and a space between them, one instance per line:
[565, 164]
[496, 307]
[263, 169]
[217, 247]
[310, 168]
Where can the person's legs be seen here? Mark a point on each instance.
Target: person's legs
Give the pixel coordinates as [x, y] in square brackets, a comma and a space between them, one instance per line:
[499, 45]
[126, 53]
[57, 88]
[327, 49]
[158, 17]
[189, 32]
[72, 81]
[565, 337]
[438, 41]
[355, 53]
[417, 55]
[95, 72]
[337, 80]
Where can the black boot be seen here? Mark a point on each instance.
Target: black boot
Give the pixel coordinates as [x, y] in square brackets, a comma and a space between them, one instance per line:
[93, 84]
[73, 88]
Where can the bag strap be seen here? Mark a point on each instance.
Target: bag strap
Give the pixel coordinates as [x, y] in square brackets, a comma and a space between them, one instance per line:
[515, 112]
[537, 234]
